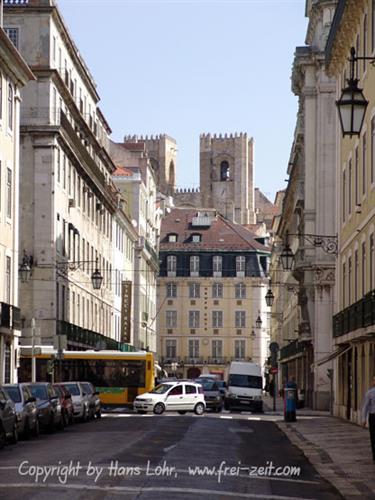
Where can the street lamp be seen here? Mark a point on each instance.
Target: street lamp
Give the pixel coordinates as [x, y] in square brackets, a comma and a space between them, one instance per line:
[25, 268]
[328, 243]
[258, 322]
[96, 278]
[287, 258]
[352, 104]
[269, 296]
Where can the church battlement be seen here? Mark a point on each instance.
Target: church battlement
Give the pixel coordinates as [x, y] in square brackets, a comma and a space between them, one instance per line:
[187, 190]
[149, 138]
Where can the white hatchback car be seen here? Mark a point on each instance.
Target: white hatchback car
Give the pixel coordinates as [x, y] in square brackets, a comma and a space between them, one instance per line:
[172, 396]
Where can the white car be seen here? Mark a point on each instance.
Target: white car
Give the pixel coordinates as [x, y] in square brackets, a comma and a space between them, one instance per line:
[172, 396]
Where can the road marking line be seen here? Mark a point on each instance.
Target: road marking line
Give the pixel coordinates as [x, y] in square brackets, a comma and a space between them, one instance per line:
[224, 416]
[168, 448]
[130, 489]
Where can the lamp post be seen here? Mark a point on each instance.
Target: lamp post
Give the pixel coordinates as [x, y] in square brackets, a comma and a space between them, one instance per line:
[33, 360]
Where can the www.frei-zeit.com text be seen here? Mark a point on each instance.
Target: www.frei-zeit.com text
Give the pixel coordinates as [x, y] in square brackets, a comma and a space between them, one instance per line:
[62, 472]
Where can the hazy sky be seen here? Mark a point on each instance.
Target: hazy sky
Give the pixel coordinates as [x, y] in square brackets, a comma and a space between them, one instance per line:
[186, 67]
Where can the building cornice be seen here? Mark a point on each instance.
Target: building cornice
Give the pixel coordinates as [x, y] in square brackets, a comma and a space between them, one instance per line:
[12, 60]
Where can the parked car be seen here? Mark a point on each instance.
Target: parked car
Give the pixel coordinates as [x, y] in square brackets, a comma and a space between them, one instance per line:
[82, 406]
[27, 413]
[48, 405]
[95, 405]
[66, 403]
[172, 396]
[212, 395]
[8, 419]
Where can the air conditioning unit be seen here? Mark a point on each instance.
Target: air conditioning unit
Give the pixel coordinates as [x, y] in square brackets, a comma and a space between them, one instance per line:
[72, 202]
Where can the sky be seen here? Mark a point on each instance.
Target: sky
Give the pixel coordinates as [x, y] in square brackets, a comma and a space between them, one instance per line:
[186, 67]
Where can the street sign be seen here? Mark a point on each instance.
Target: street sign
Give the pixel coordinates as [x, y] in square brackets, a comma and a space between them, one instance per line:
[274, 370]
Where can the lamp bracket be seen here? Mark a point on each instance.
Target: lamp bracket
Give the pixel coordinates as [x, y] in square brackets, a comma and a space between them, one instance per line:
[328, 243]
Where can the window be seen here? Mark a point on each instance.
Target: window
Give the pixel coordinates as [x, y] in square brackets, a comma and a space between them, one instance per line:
[217, 265]
[217, 319]
[363, 267]
[196, 238]
[239, 348]
[9, 193]
[172, 290]
[344, 285]
[356, 179]
[356, 269]
[190, 389]
[171, 264]
[8, 286]
[217, 291]
[194, 319]
[240, 291]
[372, 171]
[371, 257]
[217, 348]
[10, 106]
[350, 280]
[350, 180]
[343, 196]
[171, 319]
[175, 391]
[364, 41]
[13, 35]
[58, 154]
[194, 290]
[240, 319]
[193, 349]
[224, 171]
[171, 348]
[240, 264]
[194, 265]
[172, 238]
[364, 147]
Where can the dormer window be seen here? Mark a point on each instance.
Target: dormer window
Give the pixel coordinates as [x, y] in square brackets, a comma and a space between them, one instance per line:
[217, 265]
[172, 238]
[196, 238]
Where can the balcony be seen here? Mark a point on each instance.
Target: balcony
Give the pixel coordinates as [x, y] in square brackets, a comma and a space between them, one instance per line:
[361, 314]
[10, 317]
[291, 349]
[193, 360]
[90, 339]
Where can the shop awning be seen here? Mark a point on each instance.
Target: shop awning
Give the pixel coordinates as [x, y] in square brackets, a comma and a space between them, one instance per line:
[339, 352]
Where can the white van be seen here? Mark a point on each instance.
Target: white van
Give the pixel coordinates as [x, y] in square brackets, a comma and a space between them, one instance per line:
[245, 385]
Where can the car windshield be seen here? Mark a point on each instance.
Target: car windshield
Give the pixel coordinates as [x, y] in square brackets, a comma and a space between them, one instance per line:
[39, 391]
[250, 381]
[14, 393]
[73, 389]
[161, 389]
[208, 385]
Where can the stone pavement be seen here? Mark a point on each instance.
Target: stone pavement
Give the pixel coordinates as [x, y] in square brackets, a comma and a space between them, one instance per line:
[339, 450]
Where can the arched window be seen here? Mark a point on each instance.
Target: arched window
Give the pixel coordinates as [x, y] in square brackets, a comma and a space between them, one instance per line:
[224, 171]
[10, 106]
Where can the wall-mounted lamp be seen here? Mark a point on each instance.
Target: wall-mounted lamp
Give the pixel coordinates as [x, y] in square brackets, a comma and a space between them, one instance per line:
[352, 104]
[25, 269]
[258, 322]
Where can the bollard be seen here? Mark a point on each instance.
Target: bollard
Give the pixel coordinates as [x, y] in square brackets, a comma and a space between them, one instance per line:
[290, 398]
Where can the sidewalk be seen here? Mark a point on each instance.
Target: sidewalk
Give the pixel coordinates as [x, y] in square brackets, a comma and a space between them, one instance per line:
[339, 450]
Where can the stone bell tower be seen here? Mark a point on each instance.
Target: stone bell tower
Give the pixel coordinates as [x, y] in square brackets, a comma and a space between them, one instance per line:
[226, 175]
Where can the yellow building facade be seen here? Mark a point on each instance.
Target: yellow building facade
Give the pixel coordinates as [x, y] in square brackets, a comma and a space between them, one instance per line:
[354, 319]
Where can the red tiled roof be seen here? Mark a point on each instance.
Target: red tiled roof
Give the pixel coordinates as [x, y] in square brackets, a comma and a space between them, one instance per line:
[222, 234]
[123, 171]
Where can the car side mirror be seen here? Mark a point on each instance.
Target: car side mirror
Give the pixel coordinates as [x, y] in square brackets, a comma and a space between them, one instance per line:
[84, 394]
[96, 393]
[31, 400]
[68, 396]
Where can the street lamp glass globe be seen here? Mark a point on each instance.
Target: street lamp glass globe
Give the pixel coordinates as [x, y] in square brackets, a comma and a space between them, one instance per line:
[269, 298]
[96, 279]
[352, 107]
[287, 258]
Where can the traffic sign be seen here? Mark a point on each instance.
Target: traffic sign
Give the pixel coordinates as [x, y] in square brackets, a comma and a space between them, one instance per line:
[274, 370]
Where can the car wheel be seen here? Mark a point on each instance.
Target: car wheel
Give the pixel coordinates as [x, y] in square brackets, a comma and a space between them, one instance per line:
[14, 438]
[219, 409]
[36, 430]
[26, 430]
[199, 409]
[3, 438]
[181, 412]
[159, 408]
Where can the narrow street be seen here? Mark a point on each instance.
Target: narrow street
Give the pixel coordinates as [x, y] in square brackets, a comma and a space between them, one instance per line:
[163, 457]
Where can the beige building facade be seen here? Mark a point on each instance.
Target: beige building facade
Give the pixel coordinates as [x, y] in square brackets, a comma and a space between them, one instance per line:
[14, 74]
[211, 288]
[67, 200]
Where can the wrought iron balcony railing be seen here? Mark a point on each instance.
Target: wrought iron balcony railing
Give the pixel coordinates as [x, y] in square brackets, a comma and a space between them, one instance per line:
[361, 314]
